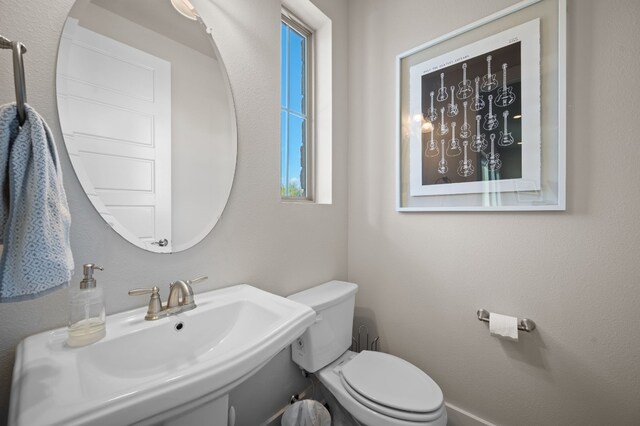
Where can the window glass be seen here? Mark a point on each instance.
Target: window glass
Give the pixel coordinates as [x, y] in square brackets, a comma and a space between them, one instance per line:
[295, 102]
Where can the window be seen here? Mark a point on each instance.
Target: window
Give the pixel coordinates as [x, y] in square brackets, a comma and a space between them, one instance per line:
[296, 141]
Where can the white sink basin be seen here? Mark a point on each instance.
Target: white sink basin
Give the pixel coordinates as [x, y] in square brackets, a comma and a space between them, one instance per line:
[144, 368]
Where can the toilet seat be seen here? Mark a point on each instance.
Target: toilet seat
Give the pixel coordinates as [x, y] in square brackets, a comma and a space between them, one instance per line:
[330, 377]
[390, 412]
[391, 386]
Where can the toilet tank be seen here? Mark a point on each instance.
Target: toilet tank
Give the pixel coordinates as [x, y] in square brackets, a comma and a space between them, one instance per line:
[330, 336]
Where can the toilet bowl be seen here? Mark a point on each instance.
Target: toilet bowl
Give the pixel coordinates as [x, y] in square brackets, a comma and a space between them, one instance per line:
[374, 401]
[377, 389]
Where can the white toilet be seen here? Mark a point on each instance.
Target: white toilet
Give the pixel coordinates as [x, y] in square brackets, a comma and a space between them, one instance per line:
[377, 389]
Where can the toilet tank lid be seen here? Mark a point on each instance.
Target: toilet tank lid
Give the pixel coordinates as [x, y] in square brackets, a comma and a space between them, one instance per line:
[325, 295]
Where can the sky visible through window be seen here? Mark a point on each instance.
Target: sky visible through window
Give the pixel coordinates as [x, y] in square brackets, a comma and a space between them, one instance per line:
[293, 112]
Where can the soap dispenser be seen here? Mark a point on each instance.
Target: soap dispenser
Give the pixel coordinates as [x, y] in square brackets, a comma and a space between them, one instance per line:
[86, 310]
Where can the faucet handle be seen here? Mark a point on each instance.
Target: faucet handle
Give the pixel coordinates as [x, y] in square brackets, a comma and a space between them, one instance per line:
[155, 304]
[197, 280]
[141, 291]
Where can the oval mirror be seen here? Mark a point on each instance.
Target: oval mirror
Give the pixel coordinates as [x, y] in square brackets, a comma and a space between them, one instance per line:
[148, 120]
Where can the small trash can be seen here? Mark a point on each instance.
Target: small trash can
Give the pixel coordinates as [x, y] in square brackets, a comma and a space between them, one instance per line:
[306, 413]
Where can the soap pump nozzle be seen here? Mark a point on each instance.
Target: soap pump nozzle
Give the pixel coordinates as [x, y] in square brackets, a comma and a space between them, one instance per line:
[88, 281]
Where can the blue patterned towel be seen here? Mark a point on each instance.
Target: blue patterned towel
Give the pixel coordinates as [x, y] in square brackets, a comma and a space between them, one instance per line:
[34, 215]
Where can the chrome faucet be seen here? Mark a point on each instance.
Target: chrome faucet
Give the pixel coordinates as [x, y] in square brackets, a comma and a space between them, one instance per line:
[180, 294]
[180, 299]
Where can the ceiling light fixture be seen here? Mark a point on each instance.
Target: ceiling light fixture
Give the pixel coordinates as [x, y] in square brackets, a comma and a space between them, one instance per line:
[185, 8]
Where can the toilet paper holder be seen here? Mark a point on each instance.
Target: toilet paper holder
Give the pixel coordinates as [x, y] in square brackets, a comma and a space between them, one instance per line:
[524, 324]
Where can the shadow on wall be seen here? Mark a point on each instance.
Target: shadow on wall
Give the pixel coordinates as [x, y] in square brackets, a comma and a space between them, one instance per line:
[575, 382]
[529, 349]
[588, 385]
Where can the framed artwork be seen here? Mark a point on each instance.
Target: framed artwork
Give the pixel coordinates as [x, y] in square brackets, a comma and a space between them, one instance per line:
[481, 114]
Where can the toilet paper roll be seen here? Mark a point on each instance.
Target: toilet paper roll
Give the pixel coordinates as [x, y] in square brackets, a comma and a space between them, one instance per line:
[503, 326]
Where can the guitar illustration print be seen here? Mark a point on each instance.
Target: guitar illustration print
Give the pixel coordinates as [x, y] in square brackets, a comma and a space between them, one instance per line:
[452, 108]
[489, 81]
[454, 144]
[442, 164]
[432, 149]
[432, 114]
[479, 142]
[505, 94]
[442, 91]
[490, 119]
[443, 129]
[465, 168]
[464, 87]
[465, 129]
[506, 138]
[478, 102]
[493, 162]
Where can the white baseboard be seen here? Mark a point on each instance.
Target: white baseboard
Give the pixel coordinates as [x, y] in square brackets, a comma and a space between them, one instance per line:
[456, 416]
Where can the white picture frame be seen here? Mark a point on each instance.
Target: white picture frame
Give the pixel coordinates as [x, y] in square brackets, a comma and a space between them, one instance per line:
[533, 171]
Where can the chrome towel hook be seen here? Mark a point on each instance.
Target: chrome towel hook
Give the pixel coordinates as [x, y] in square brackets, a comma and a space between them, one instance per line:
[18, 74]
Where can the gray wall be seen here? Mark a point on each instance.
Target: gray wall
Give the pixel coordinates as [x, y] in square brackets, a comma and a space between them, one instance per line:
[575, 273]
[278, 247]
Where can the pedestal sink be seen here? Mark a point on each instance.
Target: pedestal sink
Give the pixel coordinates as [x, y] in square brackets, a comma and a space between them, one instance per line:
[143, 372]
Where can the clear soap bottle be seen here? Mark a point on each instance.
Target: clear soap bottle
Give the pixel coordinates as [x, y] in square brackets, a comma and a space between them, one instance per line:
[86, 310]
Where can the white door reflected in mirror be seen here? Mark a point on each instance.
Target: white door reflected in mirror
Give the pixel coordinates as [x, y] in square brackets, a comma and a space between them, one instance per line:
[147, 116]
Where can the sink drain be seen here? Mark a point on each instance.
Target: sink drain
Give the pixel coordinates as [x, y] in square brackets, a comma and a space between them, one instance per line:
[179, 326]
